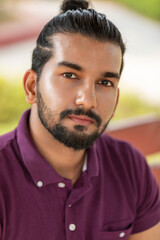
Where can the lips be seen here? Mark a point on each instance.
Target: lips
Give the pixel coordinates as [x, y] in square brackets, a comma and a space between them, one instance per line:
[81, 120]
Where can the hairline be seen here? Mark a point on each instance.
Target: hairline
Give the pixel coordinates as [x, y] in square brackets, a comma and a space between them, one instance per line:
[51, 48]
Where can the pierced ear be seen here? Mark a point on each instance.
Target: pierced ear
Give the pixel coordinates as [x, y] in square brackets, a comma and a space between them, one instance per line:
[117, 100]
[30, 86]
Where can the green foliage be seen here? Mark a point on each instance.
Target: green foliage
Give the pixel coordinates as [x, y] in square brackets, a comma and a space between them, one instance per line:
[131, 105]
[12, 101]
[150, 8]
[7, 127]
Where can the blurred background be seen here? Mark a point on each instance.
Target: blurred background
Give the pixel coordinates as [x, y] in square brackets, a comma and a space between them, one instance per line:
[139, 22]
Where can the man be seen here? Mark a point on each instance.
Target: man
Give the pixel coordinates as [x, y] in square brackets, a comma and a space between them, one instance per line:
[60, 177]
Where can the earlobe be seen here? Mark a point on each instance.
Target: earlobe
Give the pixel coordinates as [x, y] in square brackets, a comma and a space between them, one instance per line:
[30, 86]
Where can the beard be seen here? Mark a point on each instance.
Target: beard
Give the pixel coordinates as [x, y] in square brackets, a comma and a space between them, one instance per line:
[76, 139]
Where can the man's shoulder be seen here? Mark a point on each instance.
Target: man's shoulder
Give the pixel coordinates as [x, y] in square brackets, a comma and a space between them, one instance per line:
[123, 151]
[121, 158]
[7, 138]
[8, 153]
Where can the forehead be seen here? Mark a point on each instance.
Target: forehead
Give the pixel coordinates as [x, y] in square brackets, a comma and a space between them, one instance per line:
[86, 51]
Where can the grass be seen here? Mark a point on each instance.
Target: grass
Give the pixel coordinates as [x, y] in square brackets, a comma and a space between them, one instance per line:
[12, 102]
[131, 105]
[7, 127]
[149, 8]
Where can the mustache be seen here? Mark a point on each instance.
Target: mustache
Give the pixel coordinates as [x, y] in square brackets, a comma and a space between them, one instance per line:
[80, 111]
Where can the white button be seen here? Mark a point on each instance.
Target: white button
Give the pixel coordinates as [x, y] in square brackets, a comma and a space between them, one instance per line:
[70, 205]
[39, 183]
[61, 185]
[72, 227]
[122, 234]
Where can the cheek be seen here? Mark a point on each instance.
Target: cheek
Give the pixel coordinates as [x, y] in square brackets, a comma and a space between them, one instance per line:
[107, 104]
[56, 95]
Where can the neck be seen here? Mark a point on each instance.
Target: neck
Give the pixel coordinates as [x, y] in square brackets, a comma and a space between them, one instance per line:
[66, 161]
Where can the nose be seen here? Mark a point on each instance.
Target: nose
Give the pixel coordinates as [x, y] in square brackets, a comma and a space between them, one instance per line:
[86, 96]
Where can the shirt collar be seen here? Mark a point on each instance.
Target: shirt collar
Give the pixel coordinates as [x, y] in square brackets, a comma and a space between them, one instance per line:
[84, 168]
[38, 167]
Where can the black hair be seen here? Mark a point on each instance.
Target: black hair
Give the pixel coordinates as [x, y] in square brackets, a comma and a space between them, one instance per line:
[75, 17]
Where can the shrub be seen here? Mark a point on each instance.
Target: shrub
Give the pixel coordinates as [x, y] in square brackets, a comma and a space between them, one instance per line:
[150, 8]
[131, 105]
[12, 101]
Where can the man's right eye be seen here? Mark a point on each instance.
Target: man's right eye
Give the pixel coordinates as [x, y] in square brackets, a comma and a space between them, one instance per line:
[69, 75]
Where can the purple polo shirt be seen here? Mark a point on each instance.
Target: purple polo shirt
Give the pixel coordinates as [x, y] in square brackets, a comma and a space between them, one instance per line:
[115, 197]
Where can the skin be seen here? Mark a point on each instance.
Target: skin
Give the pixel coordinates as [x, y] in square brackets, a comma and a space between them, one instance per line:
[84, 88]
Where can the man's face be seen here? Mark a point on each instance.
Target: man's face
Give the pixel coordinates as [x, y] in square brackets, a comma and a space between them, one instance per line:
[78, 89]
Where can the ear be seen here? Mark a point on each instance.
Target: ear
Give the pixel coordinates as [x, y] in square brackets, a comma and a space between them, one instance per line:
[117, 100]
[30, 86]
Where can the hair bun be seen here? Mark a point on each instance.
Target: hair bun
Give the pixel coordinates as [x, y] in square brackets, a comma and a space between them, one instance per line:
[73, 5]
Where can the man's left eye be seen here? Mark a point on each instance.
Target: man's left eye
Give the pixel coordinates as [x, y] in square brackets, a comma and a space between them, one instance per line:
[106, 83]
[69, 75]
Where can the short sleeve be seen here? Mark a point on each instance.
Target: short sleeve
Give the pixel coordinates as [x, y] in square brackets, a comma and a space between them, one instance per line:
[148, 198]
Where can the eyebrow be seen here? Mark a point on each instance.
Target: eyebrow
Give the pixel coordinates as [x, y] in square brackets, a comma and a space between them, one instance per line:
[111, 75]
[70, 65]
[79, 68]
